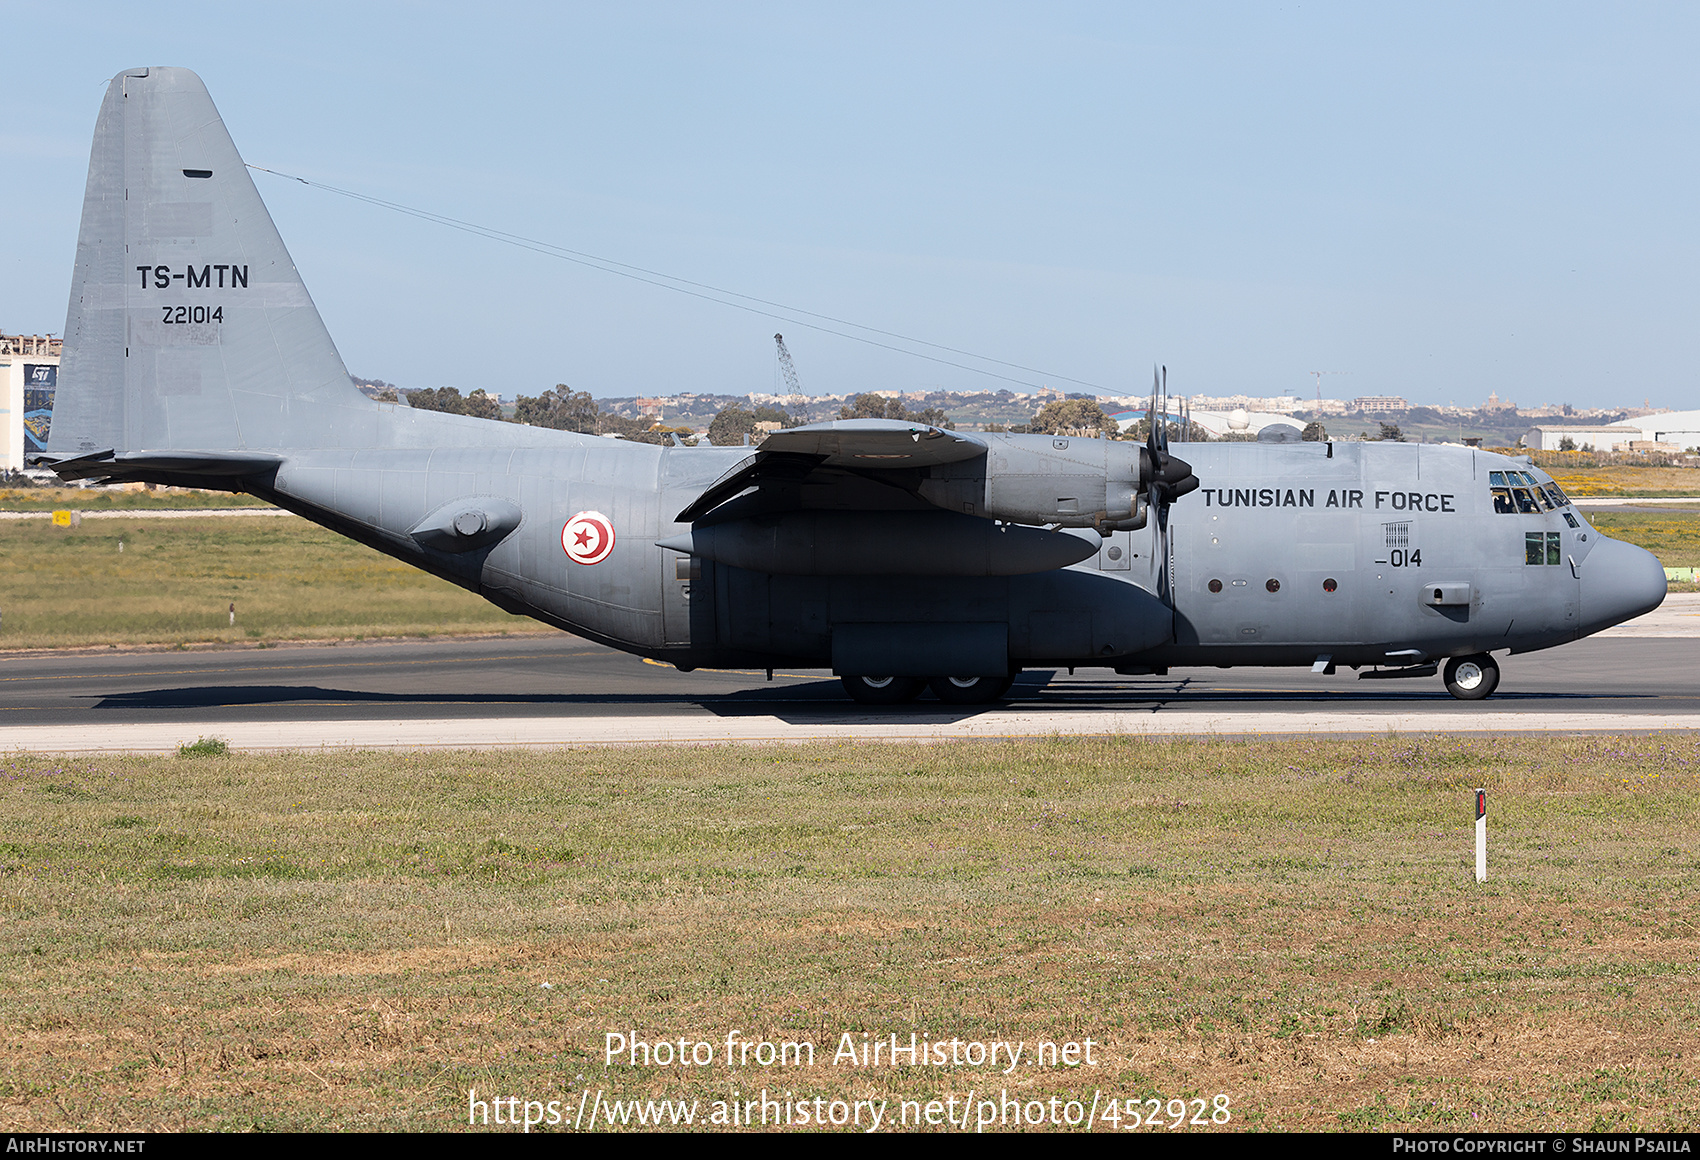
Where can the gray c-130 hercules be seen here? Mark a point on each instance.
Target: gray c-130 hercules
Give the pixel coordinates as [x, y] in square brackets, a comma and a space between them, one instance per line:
[897, 555]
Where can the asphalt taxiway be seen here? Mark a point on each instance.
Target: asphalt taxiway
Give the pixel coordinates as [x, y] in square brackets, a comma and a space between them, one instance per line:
[552, 690]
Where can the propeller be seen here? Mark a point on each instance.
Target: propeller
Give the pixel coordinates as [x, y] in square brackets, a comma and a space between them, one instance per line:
[1170, 478]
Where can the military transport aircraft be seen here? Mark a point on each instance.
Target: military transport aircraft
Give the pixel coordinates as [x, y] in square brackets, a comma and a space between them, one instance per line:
[898, 555]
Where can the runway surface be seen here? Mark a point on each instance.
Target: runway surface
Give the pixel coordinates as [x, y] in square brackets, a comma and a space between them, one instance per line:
[552, 690]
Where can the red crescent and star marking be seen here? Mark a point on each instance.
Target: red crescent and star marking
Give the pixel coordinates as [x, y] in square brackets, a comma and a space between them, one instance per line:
[588, 538]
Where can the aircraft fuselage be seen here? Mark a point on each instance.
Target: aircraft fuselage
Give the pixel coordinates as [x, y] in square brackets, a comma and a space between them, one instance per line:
[1368, 553]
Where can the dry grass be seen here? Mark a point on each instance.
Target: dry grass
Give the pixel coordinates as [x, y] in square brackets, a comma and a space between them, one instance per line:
[96, 499]
[1674, 537]
[1623, 481]
[174, 582]
[356, 940]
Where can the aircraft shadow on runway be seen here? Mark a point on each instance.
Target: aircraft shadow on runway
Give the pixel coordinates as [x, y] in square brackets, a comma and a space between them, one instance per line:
[812, 702]
[824, 701]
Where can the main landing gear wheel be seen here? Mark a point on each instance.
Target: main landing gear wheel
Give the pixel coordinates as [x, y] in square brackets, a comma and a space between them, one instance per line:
[1472, 678]
[883, 690]
[969, 690]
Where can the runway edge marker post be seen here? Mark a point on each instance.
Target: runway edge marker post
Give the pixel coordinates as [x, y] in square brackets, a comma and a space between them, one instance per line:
[1481, 835]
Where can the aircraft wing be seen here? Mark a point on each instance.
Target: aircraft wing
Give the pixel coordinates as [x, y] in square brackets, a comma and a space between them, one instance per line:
[874, 443]
[861, 446]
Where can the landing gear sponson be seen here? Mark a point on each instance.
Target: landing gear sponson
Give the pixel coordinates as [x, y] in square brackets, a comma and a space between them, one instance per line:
[1469, 678]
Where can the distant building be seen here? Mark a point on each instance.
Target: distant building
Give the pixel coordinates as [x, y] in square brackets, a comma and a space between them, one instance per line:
[29, 374]
[1548, 437]
[1663, 431]
[1218, 424]
[1374, 403]
[1681, 428]
[1276, 405]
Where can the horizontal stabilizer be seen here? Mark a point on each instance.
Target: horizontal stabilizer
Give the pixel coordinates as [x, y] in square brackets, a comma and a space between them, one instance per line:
[154, 466]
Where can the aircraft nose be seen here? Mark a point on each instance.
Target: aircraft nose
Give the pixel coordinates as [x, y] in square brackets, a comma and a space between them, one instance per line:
[1619, 582]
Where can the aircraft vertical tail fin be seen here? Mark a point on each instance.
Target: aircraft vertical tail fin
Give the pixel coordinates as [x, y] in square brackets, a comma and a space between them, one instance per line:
[189, 328]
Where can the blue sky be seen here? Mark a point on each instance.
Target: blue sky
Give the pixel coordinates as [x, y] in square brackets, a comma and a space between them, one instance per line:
[1440, 200]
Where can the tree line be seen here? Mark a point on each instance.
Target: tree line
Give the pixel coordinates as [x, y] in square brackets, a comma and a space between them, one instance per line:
[560, 408]
[565, 409]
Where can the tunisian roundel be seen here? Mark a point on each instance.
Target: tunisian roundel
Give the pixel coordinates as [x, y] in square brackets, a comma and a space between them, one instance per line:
[588, 538]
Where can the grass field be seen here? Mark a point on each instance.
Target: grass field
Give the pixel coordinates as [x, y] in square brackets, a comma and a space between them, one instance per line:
[175, 580]
[1627, 481]
[92, 499]
[1674, 537]
[356, 940]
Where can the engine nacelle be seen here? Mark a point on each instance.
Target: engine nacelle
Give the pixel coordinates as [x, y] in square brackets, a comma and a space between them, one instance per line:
[1051, 479]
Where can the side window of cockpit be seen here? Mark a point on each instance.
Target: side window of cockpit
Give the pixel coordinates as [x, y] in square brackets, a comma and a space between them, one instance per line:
[1554, 550]
[1542, 548]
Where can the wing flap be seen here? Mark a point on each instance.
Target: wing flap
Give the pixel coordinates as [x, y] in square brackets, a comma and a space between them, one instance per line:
[762, 467]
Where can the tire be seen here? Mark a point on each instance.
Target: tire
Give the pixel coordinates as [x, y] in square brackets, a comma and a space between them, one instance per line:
[1472, 678]
[969, 690]
[883, 690]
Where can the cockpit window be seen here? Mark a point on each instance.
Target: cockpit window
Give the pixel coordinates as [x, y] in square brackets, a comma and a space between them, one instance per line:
[1542, 548]
[1524, 493]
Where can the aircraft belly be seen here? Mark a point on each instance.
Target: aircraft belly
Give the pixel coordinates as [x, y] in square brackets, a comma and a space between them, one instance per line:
[1061, 616]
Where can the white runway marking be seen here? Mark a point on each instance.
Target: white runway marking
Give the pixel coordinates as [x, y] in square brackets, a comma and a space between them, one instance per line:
[546, 733]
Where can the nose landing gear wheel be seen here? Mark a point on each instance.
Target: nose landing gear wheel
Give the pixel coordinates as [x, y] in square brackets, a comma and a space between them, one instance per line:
[883, 690]
[969, 690]
[1471, 678]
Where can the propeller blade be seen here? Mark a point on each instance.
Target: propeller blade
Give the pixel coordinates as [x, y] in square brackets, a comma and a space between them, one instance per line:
[1151, 419]
[1162, 427]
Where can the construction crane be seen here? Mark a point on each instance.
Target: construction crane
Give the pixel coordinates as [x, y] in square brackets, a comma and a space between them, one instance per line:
[1319, 375]
[785, 367]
